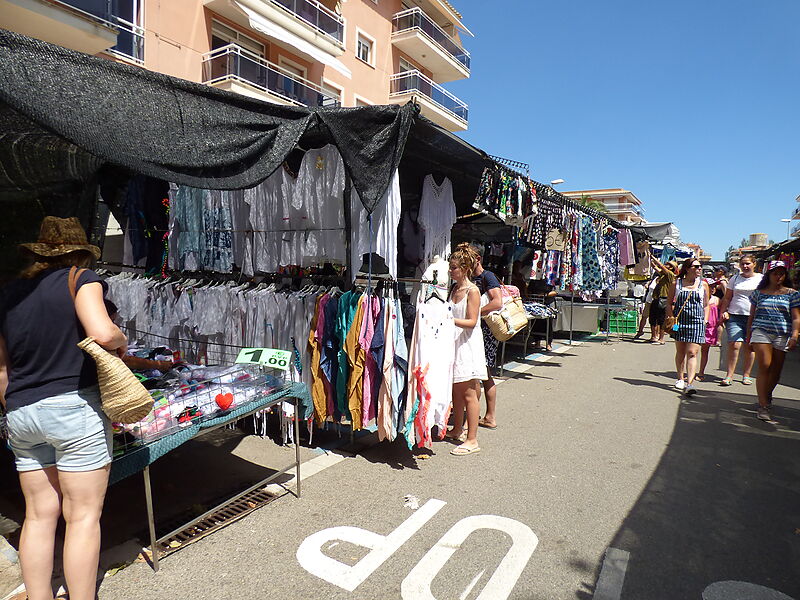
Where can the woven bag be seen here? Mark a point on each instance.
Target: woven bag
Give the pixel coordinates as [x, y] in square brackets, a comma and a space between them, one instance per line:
[508, 321]
[125, 399]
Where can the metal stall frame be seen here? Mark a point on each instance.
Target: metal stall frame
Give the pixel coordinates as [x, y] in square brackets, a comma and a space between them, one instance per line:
[156, 542]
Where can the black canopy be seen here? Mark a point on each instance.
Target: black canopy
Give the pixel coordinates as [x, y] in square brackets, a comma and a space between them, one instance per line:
[86, 110]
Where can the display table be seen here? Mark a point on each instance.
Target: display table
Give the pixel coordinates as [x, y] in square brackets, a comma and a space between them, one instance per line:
[140, 459]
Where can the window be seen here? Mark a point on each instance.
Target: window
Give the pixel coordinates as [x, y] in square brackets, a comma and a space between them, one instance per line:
[364, 48]
[405, 66]
[334, 92]
[222, 35]
[359, 101]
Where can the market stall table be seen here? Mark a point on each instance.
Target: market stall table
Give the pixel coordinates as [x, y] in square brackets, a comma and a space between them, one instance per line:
[141, 458]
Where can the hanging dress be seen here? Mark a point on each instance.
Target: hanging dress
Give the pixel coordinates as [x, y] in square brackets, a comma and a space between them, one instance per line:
[692, 318]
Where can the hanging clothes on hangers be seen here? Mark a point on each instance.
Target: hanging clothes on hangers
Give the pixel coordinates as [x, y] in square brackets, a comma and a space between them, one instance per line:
[437, 215]
[385, 221]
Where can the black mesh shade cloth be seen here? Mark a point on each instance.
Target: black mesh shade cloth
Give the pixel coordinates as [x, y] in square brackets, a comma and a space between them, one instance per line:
[68, 112]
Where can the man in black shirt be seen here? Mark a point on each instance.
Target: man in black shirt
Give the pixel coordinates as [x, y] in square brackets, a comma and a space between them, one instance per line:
[489, 284]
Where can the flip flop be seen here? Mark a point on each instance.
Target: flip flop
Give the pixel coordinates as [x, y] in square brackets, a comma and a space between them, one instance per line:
[483, 423]
[462, 451]
[747, 380]
[726, 382]
[457, 438]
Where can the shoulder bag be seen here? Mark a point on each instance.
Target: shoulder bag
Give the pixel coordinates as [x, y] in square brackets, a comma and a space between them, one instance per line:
[671, 323]
[509, 320]
[125, 399]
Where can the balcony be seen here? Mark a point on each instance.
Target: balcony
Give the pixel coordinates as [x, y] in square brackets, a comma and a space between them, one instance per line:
[303, 26]
[235, 69]
[436, 103]
[795, 231]
[82, 25]
[418, 36]
[796, 213]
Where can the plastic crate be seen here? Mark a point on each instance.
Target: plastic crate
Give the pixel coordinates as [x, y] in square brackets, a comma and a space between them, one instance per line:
[620, 322]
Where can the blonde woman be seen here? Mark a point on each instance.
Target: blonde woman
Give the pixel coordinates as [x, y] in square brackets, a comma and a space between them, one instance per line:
[469, 366]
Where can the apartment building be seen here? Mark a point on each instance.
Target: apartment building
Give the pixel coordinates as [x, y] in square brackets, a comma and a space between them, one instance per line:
[292, 52]
[620, 204]
[795, 230]
[699, 253]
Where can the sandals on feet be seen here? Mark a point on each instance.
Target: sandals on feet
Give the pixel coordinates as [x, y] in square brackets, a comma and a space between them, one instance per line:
[725, 382]
[464, 450]
[483, 423]
[747, 380]
[457, 438]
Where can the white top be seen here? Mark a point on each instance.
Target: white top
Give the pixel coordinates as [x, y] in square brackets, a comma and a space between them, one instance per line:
[470, 358]
[385, 220]
[437, 215]
[742, 287]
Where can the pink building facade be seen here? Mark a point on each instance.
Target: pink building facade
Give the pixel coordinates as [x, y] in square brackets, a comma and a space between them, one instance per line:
[294, 52]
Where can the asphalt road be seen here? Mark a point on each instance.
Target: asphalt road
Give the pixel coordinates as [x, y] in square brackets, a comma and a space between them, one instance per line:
[594, 451]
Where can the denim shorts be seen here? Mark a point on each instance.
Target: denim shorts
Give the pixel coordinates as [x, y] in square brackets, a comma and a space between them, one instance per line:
[69, 431]
[779, 341]
[736, 328]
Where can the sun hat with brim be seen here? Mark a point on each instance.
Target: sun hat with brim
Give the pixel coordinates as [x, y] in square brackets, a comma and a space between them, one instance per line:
[59, 236]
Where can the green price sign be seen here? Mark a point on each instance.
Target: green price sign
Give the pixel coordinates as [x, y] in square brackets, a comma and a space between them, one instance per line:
[268, 357]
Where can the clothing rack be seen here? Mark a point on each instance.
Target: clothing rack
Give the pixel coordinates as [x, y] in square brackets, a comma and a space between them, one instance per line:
[513, 164]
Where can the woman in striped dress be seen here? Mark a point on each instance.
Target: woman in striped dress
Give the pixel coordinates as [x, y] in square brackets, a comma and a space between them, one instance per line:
[688, 301]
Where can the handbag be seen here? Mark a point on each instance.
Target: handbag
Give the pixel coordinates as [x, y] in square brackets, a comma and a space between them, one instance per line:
[509, 320]
[124, 398]
[671, 323]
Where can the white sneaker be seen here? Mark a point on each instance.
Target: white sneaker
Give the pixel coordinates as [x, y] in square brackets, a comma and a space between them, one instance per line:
[680, 384]
[689, 390]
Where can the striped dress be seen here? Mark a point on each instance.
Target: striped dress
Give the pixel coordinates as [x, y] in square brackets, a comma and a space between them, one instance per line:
[692, 320]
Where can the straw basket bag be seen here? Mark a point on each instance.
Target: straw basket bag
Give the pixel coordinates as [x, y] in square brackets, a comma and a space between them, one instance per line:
[125, 399]
[508, 321]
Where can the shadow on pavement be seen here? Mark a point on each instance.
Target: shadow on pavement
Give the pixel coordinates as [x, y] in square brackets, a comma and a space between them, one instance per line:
[723, 503]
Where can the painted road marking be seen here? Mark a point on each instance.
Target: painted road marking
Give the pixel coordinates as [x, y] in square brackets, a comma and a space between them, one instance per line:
[741, 590]
[612, 575]
[381, 547]
[417, 584]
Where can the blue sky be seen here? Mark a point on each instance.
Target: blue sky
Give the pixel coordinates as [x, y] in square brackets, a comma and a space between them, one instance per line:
[692, 105]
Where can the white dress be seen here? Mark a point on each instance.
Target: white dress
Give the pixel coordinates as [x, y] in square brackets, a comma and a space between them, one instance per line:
[470, 359]
[437, 215]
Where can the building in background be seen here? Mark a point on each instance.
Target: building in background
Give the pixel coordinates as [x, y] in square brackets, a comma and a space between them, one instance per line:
[292, 52]
[795, 230]
[699, 253]
[620, 204]
[755, 242]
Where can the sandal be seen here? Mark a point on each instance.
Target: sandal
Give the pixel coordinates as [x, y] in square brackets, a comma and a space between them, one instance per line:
[699, 377]
[483, 423]
[747, 380]
[457, 438]
[463, 450]
[726, 382]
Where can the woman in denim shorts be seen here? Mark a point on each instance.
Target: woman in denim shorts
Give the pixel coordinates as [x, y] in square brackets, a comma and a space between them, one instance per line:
[59, 435]
[734, 310]
[773, 329]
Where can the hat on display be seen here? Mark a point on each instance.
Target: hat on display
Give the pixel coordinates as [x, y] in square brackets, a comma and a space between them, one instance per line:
[775, 264]
[61, 236]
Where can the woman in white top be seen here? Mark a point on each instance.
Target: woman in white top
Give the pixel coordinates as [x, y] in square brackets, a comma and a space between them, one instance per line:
[469, 366]
[734, 311]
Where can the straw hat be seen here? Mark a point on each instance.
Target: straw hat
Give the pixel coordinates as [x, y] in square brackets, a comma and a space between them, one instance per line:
[60, 236]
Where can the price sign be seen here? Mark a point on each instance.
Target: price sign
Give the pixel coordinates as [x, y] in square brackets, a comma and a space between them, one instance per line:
[268, 357]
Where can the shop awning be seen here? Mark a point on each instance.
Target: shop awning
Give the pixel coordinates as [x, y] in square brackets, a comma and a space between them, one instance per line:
[178, 130]
[273, 30]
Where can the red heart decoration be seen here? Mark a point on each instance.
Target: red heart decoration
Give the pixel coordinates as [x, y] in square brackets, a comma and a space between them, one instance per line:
[224, 401]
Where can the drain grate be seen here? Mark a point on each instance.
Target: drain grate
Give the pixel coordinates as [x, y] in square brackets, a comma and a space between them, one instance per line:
[226, 515]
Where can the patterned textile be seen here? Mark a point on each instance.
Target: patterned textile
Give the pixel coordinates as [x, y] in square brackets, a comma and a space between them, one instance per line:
[576, 281]
[609, 255]
[592, 275]
[566, 256]
[490, 344]
[217, 226]
[553, 267]
[692, 318]
[548, 216]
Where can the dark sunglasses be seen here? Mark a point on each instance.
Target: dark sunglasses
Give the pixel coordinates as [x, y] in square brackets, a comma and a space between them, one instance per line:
[697, 266]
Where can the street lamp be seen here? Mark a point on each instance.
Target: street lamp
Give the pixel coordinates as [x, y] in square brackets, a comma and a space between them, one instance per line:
[556, 182]
[787, 221]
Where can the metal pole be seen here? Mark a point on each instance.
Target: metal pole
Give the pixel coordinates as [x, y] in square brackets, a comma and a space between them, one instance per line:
[571, 314]
[348, 227]
[151, 524]
[297, 443]
[608, 318]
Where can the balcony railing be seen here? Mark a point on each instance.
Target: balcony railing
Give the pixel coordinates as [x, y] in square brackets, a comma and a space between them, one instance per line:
[795, 231]
[130, 39]
[796, 213]
[315, 14]
[414, 81]
[415, 18]
[234, 62]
